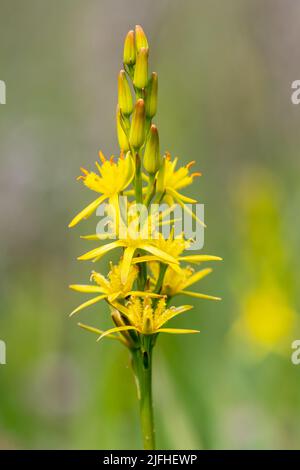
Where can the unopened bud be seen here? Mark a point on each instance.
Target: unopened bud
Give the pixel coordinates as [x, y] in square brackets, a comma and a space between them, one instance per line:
[160, 182]
[137, 129]
[129, 49]
[140, 78]
[151, 99]
[152, 160]
[140, 38]
[124, 94]
[121, 125]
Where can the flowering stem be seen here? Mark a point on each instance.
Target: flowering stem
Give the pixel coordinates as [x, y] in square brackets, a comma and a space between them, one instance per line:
[142, 367]
[138, 179]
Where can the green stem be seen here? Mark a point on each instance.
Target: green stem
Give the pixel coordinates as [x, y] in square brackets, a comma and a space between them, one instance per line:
[142, 367]
[150, 190]
[159, 282]
[138, 180]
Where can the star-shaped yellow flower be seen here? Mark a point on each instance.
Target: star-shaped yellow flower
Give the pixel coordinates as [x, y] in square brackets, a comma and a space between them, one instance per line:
[113, 178]
[147, 319]
[110, 288]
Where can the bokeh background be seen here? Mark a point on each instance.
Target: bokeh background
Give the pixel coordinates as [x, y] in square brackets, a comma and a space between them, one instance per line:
[225, 72]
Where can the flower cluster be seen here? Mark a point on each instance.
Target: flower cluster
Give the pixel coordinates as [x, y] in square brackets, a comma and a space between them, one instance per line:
[151, 270]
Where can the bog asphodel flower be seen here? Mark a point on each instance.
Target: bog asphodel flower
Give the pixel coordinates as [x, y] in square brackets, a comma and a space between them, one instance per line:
[112, 178]
[110, 288]
[153, 268]
[147, 319]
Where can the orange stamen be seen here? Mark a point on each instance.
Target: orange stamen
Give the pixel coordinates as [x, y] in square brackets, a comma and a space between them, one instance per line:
[196, 174]
[102, 157]
[190, 164]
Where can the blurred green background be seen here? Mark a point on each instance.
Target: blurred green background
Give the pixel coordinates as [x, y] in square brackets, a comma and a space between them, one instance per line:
[225, 73]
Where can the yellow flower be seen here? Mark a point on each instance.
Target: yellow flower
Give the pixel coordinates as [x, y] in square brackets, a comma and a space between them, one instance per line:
[112, 179]
[175, 246]
[147, 319]
[173, 180]
[110, 289]
[176, 281]
[132, 243]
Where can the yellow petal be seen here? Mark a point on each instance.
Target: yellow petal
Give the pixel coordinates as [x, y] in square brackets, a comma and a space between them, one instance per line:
[143, 259]
[199, 258]
[88, 303]
[98, 332]
[176, 195]
[198, 295]
[115, 330]
[121, 308]
[96, 237]
[126, 263]
[86, 288]
[173, 312]
[87, 211]
[139, 293]
[197, 276]
[111, 298]
[190, 212]
[100, 251]
[159, 253]
[176, 331]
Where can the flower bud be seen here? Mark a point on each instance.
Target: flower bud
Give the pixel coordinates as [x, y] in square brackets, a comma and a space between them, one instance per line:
[137, 129]
[140, 38]
[151, 99]
[160, 182]
[152, 160]
[122, 137]
[124, 94]
[140, 78]
[129, 49]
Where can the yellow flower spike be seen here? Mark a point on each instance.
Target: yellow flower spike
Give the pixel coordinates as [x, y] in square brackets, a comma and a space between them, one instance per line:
[121, 126]
[152, 160]
[151, 269]
[151, 98]
[140, 38]
[124, 94]
[140, 78]
[129, 49]
[137, 129]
